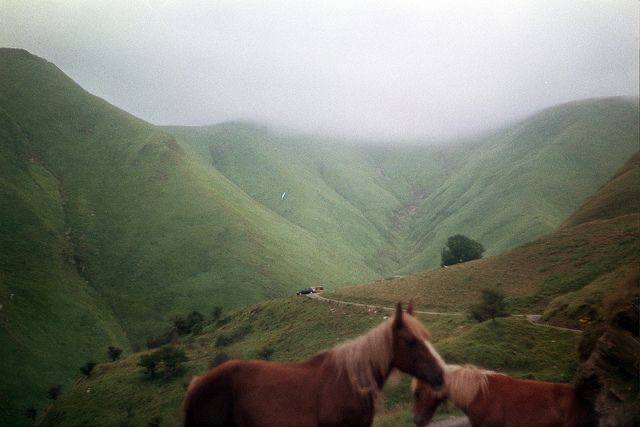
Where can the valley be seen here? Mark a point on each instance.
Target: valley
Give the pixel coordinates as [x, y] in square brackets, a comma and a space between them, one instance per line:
[112, 226]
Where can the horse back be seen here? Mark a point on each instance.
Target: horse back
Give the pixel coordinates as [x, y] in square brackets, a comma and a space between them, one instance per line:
[209, 398]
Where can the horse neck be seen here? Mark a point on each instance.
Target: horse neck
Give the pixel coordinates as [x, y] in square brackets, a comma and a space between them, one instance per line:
[466, 384]
[366, 360]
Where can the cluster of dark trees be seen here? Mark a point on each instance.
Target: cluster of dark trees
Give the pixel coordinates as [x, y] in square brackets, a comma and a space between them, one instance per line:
[169, 358]
[192, 323]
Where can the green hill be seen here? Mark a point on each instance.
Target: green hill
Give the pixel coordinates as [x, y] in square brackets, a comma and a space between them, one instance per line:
[583, 265]
[619, 196]
[111, 226]
[565, 275]
[395, 206]
[295, 328]
[527, 179]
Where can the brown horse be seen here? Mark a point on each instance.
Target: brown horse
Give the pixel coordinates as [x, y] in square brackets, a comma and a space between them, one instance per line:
[492, 399]
[338, 387]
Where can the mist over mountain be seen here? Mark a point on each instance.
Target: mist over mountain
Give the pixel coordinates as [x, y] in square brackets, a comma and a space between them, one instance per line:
[356, 69]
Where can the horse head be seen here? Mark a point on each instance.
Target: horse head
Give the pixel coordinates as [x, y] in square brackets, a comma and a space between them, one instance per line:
[412, 352]
[426, 401]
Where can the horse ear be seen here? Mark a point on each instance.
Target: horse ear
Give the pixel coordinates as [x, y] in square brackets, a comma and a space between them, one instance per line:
[410, 308]
[397, 318]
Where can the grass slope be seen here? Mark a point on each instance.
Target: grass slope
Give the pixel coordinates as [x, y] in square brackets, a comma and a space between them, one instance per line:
[296, 328]
[108, 218]
[526, 180]
[395, 206]
[41, 292]
[348, 195]
[565, 274]
[618, 196]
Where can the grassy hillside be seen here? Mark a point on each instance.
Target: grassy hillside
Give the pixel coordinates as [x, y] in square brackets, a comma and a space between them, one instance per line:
[41, 292]
[565, 274]
[618, 196]
[295, 328]
[111, 226]
[106, 217]
[395, 206]
[524, 181]
[351, 196]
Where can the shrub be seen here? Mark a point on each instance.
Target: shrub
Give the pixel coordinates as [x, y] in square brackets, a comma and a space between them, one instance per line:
[31, 413]
[160, 340]
[266, 353]
[219, 359]
[54, 391]
[459, 249]
[172, 359]
[216, 312]
[228, 338]
[88, 368]
[186, 325]
[149, 362]
[491, 305]
[114, 353]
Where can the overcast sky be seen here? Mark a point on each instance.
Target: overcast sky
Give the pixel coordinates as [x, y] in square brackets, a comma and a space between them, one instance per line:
[360, 69]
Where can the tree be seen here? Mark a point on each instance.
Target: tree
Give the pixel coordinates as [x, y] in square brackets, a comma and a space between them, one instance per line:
[114, 353]
[219, 359]
[491, 305]
[266, 353]
[149, 362]
[54, 391]
[88, 368]
[216, 312]
[31, 413]
[172, 358]
[188, 324]
[459, 249]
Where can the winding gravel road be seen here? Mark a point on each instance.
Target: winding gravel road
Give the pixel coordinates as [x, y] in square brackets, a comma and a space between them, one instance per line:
[534, 319]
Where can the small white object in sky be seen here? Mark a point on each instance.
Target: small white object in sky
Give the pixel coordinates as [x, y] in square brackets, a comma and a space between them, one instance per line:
[283, 194]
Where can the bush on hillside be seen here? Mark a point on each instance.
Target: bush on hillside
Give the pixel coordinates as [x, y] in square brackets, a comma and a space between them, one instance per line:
[160, 340]
[150, 363]
[114, 353]
[266, 353]
[219, 359]
[171, 358]
[31, 413]
[230, 337]
[459, 249]
[186, 325]
[216, 312]
[88, 368]
[54, 391]
[182, 325]
[491, 305]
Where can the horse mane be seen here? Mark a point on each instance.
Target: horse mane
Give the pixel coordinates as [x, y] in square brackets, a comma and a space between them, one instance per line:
[367, 358]
[463, 383]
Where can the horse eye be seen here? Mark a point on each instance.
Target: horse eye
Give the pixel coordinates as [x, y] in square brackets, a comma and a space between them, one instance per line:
[417, 393]
[412, 343]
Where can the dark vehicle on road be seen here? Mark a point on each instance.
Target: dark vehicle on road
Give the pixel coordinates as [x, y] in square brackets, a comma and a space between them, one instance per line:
[304, 291]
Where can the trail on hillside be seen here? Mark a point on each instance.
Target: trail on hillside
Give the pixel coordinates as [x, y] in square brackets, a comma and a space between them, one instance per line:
[534, 319]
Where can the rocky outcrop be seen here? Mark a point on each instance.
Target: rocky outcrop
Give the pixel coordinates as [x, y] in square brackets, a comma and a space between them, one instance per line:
[609, 376]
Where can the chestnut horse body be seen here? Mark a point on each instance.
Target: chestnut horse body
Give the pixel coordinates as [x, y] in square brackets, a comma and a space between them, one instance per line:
[338, 387]
[493, 399]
